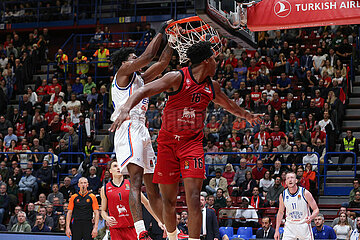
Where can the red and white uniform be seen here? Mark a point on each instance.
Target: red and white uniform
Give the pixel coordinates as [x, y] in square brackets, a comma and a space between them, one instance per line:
[180, 147]
[119, 208]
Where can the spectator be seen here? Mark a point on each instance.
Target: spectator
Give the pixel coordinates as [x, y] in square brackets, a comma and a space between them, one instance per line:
[259, 171]
[4, 126]
[4, 202]
[336, 220]
[55, 194]
[303, 135]
[210, 228]
[21, 225]
[322, 231]
[27, 185]
[94, 181]
[229, 173]
[246, 216]
[267, 231]
[276, 136]
[272, 196]
[284, 147]
[262, 135]
[266, 182]
[82, 68]
[256, 201]
[77, 88]
[102, 55]
[217, 182]
[9, 137]
[239, 177]
[226, 216]
[343, 228]
[318, 134]
[14, 218]
[283, 85]
[61, 226]
[311, 158]
[49, 221]
[40, 224]
[67, 124]
[356, 202]
[71, 139]
[220, 200]
[61, 59]
[51, 214]
[323, 123]
[248, 185]
[43, 176]
[66, 189]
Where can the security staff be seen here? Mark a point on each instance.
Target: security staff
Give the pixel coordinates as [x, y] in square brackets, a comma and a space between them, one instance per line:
[82, 206]
[81, 64]
[348, 144]
[102, 55]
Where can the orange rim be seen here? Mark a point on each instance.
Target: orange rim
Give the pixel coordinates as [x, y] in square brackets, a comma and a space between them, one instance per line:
[185, 20]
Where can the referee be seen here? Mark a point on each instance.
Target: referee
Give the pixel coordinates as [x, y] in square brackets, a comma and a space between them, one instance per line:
[81, 207]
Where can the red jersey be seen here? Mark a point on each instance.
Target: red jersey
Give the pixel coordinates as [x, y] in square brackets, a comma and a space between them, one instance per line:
[276, 136]
[185, 110]
[118, 203]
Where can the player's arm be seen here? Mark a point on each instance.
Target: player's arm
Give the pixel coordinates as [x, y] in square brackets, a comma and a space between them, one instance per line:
[222, 99]
[279, 217]
[129, 67]
[152, 72]
[146, 204]
[170, 81]
[311, 201]
[104, 209]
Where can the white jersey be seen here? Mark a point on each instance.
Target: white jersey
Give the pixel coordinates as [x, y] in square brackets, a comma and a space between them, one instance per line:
[297, 208]
[120, 96]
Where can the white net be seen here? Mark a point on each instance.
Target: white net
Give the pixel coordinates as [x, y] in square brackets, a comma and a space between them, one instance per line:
[184, 33]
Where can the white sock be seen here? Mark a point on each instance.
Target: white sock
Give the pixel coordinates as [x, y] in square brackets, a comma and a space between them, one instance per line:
[139, 227]
[173, 235]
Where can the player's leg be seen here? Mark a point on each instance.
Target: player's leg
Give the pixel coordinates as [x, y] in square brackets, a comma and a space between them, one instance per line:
[169, 196]
[192, 191]
[136, 176]
[305, 232]
[290, 231]
[153, 194]
[152, 189]
[87, 229]
[76, 231]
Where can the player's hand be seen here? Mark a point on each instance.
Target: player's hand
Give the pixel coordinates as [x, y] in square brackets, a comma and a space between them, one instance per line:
[308, 220]
[124, 115]
[94, 233]
[111, 221]
[254, 119]
[68, 232]
[277, 235]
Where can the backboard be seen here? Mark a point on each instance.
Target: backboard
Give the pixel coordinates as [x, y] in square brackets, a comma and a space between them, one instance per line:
[229, 18]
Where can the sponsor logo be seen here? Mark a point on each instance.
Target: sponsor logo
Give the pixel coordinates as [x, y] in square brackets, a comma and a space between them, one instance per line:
[186, 164]
[121, 209]
[127, 187]
[188, 113]
[282, 8]
[299, 196]
[87, 200]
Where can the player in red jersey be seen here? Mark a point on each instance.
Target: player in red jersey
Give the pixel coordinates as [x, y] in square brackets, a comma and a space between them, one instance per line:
[115, 208]
[180, 139]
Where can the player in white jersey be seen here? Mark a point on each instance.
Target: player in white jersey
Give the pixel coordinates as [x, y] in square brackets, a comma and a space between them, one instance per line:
[132, 143]
[296, 200]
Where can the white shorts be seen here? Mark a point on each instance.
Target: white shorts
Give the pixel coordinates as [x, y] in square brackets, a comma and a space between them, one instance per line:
[294, 231]
[132, 144]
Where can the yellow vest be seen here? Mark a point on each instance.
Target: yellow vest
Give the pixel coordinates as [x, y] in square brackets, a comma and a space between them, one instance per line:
[102, 57]
[82, 68]
[349, 145]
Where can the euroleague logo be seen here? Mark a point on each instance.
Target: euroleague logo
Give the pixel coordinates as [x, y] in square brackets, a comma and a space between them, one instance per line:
[282, 8]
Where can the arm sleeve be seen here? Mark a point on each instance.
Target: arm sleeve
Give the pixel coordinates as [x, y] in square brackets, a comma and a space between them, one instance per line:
[95, 204]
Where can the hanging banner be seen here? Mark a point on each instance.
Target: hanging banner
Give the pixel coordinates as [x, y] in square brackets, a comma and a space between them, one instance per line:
[284, 14]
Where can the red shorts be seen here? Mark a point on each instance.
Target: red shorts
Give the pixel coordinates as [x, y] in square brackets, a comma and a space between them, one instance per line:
[179, 154]
[123, 233]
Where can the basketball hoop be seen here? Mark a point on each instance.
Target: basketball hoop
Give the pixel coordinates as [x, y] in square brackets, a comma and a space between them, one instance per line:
[185, 32]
